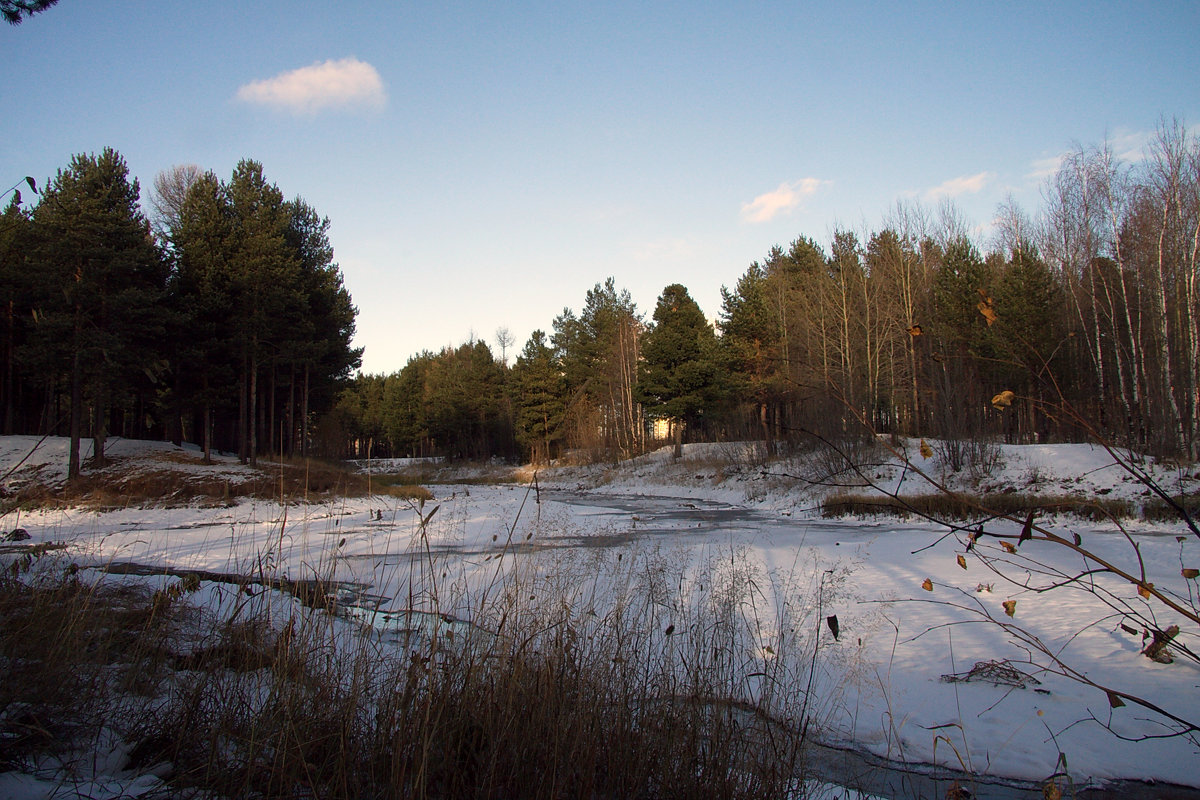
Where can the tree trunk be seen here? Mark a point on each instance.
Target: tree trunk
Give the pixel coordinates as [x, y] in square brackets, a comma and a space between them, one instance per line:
[207, 435]
[243, 428]
[270, 412]
[1175, 422]
[253, 411]
[8, 368]
[99, 427]
[304, 416]
[76, 412]
[176, 417]
[291, 412]
[1192, 310]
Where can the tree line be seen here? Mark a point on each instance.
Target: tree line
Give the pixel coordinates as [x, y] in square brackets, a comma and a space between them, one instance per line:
[1090, 305]
[226, 322]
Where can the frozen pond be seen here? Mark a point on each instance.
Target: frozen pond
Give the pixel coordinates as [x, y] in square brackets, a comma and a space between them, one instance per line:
[881, 679]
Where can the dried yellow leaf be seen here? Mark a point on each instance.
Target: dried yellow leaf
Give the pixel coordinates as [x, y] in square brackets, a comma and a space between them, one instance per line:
[1010, 607]
[962, 562]
[927, 585]
[1190, 573]
[926, 450]
[1144, 589]
[1003, 400]
[987, 307]
[1008, 546]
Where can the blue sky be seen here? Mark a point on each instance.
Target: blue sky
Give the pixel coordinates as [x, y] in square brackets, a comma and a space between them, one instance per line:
[485, 164]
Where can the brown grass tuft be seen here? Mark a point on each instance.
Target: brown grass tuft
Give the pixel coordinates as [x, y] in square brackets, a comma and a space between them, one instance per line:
[407, 492]
[964, 506]
[559, 699]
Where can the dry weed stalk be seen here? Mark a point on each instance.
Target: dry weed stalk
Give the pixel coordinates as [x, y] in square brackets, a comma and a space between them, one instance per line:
[633, 678]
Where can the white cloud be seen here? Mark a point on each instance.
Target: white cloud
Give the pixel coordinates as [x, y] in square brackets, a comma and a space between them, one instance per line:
[1043, 168]
[782, 200]
[964, 184]
[1130, 146]
[330, 84]
[1126, 146]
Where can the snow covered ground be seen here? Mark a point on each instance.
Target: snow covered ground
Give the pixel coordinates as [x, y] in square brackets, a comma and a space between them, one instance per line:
[909, 609]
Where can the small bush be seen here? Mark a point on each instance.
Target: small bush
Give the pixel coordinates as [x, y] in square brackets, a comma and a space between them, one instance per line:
[979, 458]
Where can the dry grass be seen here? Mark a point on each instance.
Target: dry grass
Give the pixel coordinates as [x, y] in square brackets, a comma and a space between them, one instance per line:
[551, 696]
[464, 473]
[68, 648]
[407, 492]
[122, 485]
[963, 506]
[1158, 510]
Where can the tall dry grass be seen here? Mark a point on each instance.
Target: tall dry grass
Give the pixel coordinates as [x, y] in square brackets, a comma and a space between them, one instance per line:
[287, 479]
[626, 677]
[968, 506]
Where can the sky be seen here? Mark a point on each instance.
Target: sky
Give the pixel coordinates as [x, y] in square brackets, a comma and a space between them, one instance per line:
[485, 164]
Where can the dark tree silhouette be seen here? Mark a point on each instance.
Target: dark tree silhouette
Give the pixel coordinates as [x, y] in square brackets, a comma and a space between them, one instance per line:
[14, 11]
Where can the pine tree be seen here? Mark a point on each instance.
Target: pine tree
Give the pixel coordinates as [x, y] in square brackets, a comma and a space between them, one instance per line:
[960, 283]
[750, 338]
[538, 389]
[462, 392]
[202, 296]
[318, 342]
[15, 11]
[404, 407]
[680, 377]
[266, 292]
[599, 351]
[1030, 327]
[108, 280]
[962, 340]
[16, 288]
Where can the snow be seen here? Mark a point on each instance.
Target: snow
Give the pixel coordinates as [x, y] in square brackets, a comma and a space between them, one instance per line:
[25, 459]
[881, 682]
[98, 773]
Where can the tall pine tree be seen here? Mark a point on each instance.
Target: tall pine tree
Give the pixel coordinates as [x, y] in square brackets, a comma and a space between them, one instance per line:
[680, 377]
[539, 390]
[102, 319]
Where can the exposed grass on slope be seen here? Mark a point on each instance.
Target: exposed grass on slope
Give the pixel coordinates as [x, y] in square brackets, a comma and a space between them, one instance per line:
[467, 474]
[133, 483]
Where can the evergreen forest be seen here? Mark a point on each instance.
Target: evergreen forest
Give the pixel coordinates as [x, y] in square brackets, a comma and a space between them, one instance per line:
[221, 318]
[1080, 319]
[225, 322]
